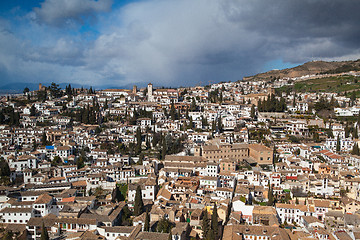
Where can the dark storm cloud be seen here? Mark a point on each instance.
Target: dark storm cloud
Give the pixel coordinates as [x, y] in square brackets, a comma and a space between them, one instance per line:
[61, 12]
[301, 24]
[175, 43]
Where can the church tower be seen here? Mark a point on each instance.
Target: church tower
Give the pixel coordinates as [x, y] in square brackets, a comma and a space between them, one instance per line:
[150, 92]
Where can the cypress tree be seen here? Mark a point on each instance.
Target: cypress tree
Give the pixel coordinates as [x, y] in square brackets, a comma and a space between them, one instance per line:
[355, 132]
[172, 111]
[214, 222]
[43, 139]
[219, 125]
[213, 126]
[260, 106]
[147, 222]
[294, 100]
[32, 110]
[211, 235]
[252, 112]
[139, 204]
[338, 144]
[147, 143]
[355, 150]
[138, 140]
[164, 149]
[271, 196]
[116, 195]
[205, 225]
[44, 233]
[191, 123]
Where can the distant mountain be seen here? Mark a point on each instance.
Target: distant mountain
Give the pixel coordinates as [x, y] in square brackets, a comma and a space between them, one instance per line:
[309, 68]
[18, 87]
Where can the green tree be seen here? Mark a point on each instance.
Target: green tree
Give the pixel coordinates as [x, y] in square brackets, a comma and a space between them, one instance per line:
[220, 125]
[213, 126]
[69, 91]
[294, 139]
[80, 162]
[4, 168]
[106, 105]
[271, 199]
[294, 100]
[355, 132]
[164, 149]
[191, 123]
[252, 112]
[41, 95]
[99, 191]
[215, 221]
[44, 233]
[338, 144]
[26, 90]
[355, 150]
[316, 137]
[32, 110]
[123, 187]
[139, 204]
[126, 217]
[211, 235]
[172, 111]
[56, 161]
[275, 156]
[44, 141]
[147, 143]
[116, 195]
[141, 158]
[205, 224]
[97, 130]
[7, 236]
[55, 91]
[138, 141]
[147, 222]
[193, 106]
[164, 225]
[353, 98]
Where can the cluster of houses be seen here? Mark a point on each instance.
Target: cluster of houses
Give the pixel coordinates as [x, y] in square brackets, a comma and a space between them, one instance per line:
[264, 172]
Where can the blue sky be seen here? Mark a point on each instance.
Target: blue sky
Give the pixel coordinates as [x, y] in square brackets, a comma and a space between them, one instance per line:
[169, 42]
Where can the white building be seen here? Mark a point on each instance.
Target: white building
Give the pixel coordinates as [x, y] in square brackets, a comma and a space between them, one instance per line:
[291, 213]
[16, 215]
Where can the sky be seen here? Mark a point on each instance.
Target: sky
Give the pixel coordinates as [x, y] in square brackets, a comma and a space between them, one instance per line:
[169, 43]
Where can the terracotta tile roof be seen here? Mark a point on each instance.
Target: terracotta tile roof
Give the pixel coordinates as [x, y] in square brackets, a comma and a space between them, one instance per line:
[42, 199]
[69, 199]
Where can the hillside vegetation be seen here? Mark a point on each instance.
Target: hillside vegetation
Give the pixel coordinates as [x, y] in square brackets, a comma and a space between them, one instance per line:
[339, 84]
[309, 68]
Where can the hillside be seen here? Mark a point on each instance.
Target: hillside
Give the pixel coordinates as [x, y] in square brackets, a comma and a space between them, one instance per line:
[309, 68]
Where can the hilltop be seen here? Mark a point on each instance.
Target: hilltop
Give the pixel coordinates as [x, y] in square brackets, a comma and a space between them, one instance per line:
[309, 68]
